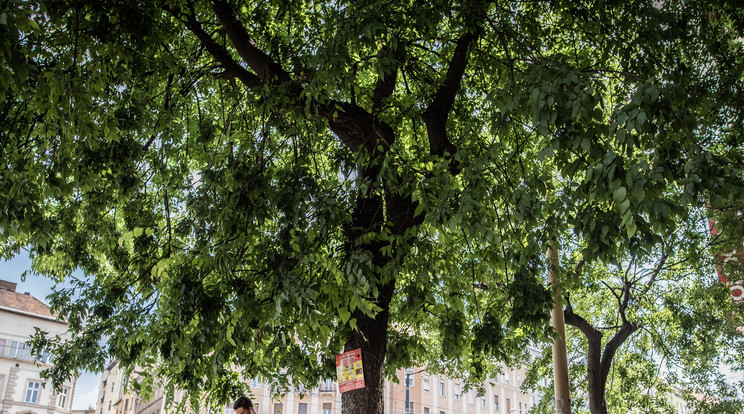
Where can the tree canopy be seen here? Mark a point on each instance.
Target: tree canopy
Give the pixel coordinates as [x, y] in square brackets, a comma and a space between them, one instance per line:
[266, 184]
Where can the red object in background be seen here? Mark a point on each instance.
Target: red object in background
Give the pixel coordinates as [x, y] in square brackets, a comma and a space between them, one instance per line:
[735, 284]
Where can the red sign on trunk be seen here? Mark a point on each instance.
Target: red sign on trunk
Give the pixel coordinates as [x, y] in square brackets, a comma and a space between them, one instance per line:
[349, 370]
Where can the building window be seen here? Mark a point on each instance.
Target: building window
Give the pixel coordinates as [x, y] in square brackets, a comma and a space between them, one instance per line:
[506, 377]
[409, 377]
[520, 407]
[471, 397]
[278, 408]
[483, 403]
[2, 346]
[327, 386]
[327, 408]
[427, 387]
[62, 398]
[426, 410]
[442, 388]
[508, 405]
[410, 409]
[20, 350]
[495, 402]
[255, 383]
[457, 392]
[32, 392]
[302, 408]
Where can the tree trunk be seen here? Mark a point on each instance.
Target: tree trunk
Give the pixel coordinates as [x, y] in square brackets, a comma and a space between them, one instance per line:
[598, 362]
[372, 339]
[560, 360]
[373, 213]
[595, 379]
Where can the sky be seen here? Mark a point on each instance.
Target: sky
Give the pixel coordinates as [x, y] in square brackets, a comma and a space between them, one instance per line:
[86, 390]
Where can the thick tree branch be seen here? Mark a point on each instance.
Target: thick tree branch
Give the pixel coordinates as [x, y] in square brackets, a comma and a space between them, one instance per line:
[623, 304]
[435, 116]
[385, 85]
[438, 111]
[580, 323]
[218, 52]
[611, 348]
[267, 69]
[349, 122]
[356, 127]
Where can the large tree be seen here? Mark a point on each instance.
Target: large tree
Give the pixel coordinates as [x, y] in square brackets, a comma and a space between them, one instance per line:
[265, 184]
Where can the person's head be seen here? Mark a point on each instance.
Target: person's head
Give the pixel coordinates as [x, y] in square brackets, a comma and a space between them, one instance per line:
[243, 405]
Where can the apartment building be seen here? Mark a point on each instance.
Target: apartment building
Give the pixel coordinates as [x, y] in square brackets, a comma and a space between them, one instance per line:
[427, 394]
[111, 391]
[22, 390]
[437, 394]
[324, 399]
[114, 397]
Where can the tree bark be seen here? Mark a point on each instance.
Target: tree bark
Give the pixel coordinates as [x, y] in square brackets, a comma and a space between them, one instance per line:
[593, 358]
[598, 362]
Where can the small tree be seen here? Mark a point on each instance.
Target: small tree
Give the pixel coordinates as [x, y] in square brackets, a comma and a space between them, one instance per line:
[657, 320]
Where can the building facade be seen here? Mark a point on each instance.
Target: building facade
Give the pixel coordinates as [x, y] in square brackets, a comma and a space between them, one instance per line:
[423, 393]
[427, 394]
[115, 398]
[22, 390]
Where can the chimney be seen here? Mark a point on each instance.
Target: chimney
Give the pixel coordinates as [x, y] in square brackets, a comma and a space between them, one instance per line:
[4, 284]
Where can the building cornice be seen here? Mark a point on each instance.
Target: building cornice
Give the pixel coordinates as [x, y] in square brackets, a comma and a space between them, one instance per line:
[49, 318]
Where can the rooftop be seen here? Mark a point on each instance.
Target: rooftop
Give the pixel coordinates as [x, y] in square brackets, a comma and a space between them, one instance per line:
[23, 302]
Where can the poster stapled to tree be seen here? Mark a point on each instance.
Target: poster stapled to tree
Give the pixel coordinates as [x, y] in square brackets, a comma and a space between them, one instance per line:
[349, 370]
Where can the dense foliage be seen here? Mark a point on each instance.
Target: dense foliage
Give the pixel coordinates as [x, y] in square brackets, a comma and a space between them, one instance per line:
[265, 184]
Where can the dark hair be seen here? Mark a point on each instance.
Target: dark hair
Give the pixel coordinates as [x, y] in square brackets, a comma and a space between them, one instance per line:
[243, 402]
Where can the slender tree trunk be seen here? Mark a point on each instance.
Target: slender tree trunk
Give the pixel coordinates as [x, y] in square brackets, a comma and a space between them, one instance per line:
[560, 361]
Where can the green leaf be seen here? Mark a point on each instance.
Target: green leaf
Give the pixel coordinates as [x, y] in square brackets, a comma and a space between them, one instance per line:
[619, 194]
[624, 205]
[631, 229]
[641, 118]
[344, 314]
